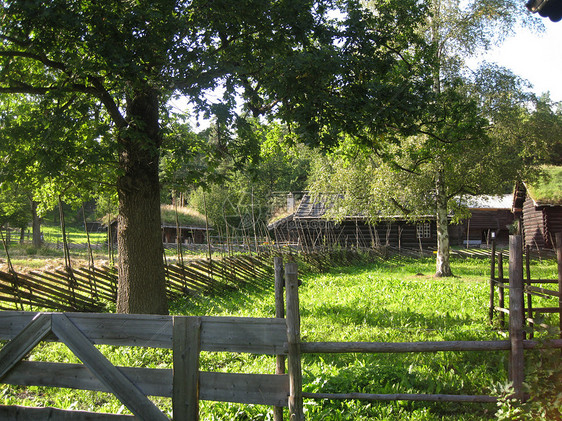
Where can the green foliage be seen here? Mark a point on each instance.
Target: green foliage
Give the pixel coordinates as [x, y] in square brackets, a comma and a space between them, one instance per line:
[15, 205]
[93, 77]
[542, 383]
[244, 193]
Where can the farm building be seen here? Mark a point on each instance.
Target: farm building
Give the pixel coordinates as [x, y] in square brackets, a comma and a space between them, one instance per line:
[538, 208]
[188, 234]
[192, 226]
[309, 227]
[489, 216]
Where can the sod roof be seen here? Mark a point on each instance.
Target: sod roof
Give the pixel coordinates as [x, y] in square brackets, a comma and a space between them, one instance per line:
[188, 217]
[548, 190]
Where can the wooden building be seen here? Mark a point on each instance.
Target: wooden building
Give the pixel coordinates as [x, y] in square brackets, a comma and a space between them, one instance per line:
[309, 228]
[540, 217]
[490, 217]
[188, 234]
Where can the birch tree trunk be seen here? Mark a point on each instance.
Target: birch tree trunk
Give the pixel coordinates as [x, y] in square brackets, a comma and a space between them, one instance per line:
[443, 267]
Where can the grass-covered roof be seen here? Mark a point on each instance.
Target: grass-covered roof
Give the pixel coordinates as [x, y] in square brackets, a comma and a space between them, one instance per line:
[188, 217]
[547, 190]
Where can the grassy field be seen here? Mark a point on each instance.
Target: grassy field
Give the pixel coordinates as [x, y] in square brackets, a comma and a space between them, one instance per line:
[392, 300]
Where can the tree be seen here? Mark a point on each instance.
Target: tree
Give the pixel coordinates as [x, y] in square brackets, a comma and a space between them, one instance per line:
[454, 124]
[242, 194]
[457, 153]
[322, 71]
[15, 210]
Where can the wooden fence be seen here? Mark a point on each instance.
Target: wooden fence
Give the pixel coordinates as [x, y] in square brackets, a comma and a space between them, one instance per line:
[521, 287]
[499, 285]
[187, 336]
[86, 288]
[184, 383]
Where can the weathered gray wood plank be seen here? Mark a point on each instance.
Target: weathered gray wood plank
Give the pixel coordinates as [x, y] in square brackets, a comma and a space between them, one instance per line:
[150, 381]
[296, 411]
[187, 344]
[262, 389]
[25, 341]
[103, 328]
[108, 374]
[23, 413]
[516, 360]
[125, 329]
[259, 389]
[243, 334]
[279, 313]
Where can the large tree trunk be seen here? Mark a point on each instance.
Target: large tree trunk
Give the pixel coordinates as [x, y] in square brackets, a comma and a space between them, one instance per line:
[443, 267]
[142, 286]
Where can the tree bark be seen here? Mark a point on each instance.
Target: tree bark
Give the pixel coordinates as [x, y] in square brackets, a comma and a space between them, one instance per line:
[142, 285]
[443, 267]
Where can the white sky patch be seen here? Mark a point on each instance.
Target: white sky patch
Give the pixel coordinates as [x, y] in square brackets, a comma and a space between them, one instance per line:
[535, 57]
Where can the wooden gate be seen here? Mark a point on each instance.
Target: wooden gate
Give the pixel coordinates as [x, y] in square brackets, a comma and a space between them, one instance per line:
[185, 384]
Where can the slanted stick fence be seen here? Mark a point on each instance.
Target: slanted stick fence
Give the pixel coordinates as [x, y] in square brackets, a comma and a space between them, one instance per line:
[86, 288]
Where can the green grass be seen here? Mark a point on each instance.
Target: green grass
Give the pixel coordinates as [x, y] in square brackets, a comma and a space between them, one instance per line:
[549, 190]
[186, 216]
[394, 300]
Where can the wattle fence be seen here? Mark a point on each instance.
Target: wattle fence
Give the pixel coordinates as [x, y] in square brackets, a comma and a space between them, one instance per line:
[90, 288]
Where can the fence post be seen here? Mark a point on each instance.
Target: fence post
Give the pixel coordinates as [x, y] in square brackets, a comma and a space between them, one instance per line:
[529, 295]
[492, 281]
[517, 363]
[185, 384]
[558, 238]
[293, 339]
[279, 313]
[501, 290]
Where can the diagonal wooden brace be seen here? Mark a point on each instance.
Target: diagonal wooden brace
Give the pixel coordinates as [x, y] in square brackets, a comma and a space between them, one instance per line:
[25, 341]
[108, 374]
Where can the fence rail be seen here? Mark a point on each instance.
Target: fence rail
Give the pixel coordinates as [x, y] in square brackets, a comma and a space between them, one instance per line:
[186, 336]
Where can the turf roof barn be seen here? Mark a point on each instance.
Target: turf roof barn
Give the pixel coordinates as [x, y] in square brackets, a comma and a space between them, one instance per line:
[538, 207]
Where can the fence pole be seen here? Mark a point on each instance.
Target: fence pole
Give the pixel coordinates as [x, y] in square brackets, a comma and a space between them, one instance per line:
[517, 363]
[293, 339]
[186, 347]
[559, 260]
[492, 280]
[279, 313]
[529, 295]
[501, 290]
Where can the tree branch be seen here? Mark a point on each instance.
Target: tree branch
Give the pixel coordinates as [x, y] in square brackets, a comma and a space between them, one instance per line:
[24, 54]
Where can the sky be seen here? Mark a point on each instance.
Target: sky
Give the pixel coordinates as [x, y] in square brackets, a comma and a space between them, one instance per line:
[535, 57]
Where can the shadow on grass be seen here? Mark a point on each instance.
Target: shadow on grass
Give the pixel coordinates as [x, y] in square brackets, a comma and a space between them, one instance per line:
[231, 299]
[346, 314]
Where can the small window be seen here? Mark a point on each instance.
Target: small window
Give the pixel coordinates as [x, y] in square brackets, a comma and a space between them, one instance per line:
[423, 230]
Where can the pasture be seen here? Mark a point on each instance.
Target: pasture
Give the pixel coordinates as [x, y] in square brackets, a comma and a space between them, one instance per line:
[391, 300]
